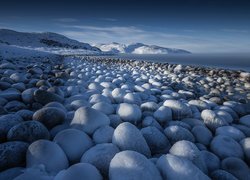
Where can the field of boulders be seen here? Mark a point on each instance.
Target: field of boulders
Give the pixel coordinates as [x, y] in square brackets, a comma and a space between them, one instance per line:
[97, 118]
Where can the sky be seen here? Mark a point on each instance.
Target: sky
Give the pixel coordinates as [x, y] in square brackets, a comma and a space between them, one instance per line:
[195, 25]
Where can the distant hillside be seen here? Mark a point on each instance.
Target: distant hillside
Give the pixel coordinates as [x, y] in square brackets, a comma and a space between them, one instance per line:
[42, 40]
[139, 48]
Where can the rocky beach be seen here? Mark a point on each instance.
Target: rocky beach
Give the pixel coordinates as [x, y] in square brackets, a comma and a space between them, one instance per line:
[83, 117]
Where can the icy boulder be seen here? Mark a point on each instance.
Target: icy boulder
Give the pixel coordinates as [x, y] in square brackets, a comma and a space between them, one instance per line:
[128, 165]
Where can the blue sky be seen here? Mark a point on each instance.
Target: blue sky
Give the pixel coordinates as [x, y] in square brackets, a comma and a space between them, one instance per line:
[194, 25]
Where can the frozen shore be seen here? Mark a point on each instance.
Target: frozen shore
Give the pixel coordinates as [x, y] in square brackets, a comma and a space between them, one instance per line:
[102, 118]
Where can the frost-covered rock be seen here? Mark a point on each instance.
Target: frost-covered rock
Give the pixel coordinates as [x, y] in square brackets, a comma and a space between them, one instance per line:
[12, 154]
[129, 112]
[132, 98]
[156, 140]
[78, 172]
[28, 131]
[224, 146]
[50, 116]
[201, 105]
[149, 106]
[179, 109]
[89, 119]
[74, 143]
[174, 167]
[47, 153]
[132, 165]
[212, 120]
[100, 156]
[178, 133]
[128, 137]
[103, 134]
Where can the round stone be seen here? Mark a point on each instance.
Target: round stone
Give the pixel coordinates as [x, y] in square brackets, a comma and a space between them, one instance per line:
[6, 123]
[245, 120]
[79, 171]
[202, 135]
[132, 165]
[163, 114]
[245, 144]
[44, 97]
[50, 116]
[74, 143]
[28, 131]
[173, 167]
[128, 137]
[129, 112]
[211, 160]
[230, 131]
[100, 156]
[212, 121]
[12, 154]
[89, 119]
[156, 140]
[236, 167]
[179, 109]
[224, 146]
[103, 134]
[104, 107]
[178, 133]
[222, 175]
[189, 150]
[47, 153]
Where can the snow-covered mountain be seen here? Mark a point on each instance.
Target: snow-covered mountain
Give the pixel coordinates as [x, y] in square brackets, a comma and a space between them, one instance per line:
[139, 48]
[49, 42]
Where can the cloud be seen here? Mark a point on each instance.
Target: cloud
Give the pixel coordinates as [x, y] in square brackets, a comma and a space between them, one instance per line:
[194, 42]
[235, 30]
[108, 19]
[66, 20]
